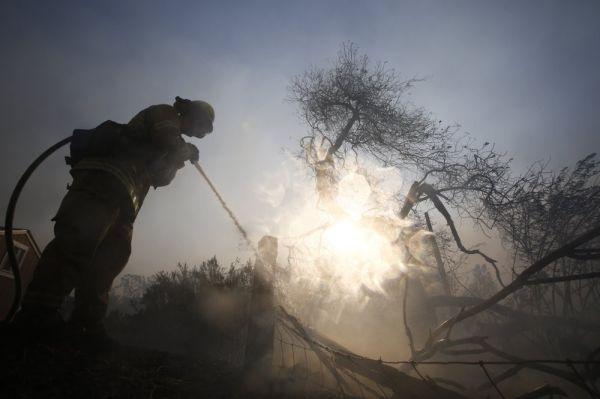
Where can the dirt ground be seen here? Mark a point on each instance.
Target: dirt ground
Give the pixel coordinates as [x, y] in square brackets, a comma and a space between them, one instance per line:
[126, 372]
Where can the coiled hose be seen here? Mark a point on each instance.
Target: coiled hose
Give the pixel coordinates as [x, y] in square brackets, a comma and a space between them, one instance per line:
[8, 225]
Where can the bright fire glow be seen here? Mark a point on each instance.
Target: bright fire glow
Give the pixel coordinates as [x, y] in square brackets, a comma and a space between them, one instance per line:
[346, 237]
[337, 253]
[359, 255]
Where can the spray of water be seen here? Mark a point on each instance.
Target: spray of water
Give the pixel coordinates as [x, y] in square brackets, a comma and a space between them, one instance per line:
[232, 216]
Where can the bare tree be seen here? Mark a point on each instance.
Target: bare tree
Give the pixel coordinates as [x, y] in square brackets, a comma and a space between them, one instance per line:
[544, 209]
[355, 105]
[543, 212]
[550, 220]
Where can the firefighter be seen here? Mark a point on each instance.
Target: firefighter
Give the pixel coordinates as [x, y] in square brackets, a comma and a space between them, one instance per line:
[94, 223]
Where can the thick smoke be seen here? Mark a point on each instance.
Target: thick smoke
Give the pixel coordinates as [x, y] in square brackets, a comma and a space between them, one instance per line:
[341, 263]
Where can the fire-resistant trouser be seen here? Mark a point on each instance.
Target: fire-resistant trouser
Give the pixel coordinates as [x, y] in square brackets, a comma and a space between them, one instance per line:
[91, 246]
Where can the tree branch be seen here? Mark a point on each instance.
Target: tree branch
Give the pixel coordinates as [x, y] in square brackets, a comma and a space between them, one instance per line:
[521, 317]
[520, 281]
[559, 279]
[430, 191]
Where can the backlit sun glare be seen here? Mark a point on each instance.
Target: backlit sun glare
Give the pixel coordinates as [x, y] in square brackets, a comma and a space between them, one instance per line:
[356, 247]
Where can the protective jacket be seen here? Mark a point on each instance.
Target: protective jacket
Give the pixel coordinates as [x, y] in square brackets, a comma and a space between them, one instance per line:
[149, 152]
[113, 167]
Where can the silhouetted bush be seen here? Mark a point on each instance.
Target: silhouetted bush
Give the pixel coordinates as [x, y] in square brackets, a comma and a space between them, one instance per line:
[199, 311]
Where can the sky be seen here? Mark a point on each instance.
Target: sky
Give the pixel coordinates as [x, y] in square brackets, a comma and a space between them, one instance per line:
[524, 75]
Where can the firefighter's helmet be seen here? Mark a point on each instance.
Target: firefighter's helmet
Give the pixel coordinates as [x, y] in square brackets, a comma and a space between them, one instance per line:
[201, 112]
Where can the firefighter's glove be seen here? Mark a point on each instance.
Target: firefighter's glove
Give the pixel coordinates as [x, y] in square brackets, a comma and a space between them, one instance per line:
[192, 153]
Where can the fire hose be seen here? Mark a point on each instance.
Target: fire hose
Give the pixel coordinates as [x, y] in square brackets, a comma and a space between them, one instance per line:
[8, 225]
[12, 203]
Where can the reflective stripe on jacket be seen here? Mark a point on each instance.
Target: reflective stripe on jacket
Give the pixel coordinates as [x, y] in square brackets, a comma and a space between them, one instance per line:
[124, 175]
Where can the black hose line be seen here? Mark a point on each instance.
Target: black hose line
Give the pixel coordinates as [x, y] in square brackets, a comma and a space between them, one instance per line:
[8, 225]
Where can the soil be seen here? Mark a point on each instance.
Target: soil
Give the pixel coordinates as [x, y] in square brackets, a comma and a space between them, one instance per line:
[41, 371]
